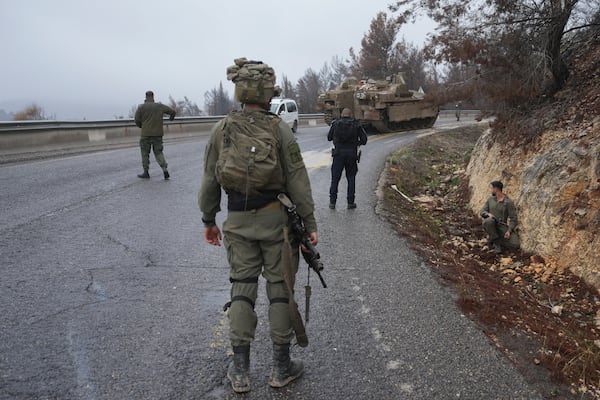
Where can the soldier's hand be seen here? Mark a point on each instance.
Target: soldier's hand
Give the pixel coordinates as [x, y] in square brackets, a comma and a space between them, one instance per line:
[212, 235]
[507, 235]
[313, 239]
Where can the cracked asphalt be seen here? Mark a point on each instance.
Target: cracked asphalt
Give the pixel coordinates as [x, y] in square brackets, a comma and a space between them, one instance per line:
[107, 291]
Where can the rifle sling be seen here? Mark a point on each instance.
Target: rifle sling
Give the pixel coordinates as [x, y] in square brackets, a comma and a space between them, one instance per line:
[289, 277]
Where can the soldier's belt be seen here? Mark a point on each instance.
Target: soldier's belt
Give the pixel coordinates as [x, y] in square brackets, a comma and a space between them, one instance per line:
[275, 205]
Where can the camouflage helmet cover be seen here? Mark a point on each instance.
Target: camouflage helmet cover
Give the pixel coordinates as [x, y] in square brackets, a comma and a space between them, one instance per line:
[254, 81]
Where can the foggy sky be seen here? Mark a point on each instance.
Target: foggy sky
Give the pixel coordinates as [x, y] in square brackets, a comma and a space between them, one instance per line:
[95, 59]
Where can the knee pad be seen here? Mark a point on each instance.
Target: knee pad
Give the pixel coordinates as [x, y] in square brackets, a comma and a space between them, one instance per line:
[243, 290]
[277, 292]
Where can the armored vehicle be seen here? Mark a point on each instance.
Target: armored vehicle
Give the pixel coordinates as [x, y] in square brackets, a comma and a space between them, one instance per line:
[385, 105]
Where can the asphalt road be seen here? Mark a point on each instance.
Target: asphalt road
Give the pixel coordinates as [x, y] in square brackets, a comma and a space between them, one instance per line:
[107, 291]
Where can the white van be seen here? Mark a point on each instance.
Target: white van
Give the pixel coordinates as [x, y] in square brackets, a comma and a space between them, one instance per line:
[287, 109]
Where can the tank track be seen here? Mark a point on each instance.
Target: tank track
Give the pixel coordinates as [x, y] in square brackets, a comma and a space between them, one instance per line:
[410, 125]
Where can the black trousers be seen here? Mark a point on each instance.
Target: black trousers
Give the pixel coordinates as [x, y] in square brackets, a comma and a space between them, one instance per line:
[344, 160]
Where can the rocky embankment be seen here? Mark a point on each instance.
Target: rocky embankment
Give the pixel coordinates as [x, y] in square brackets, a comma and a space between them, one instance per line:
[541, 316]
[554, 176]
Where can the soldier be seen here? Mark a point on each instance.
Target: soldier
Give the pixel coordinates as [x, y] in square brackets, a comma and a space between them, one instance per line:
[253, 168]
[149, 117]
[499, 209]
[458, 108]
[347, 134]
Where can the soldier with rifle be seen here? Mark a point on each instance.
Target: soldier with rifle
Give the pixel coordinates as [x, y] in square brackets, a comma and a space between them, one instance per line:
[254, 157]
[500, 219]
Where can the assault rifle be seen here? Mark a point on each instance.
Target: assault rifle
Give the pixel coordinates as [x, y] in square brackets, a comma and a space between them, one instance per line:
[486, 215]
[312, 257]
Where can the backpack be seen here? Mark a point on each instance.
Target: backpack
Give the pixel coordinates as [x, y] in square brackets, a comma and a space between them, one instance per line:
[249, 152]
[345, 131]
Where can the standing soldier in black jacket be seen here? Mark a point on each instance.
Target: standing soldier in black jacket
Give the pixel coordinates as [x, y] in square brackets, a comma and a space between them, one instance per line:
[347, 134]
[149, 117]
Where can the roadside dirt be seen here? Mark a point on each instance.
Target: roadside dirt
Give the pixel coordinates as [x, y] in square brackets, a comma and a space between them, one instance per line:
[542, 318]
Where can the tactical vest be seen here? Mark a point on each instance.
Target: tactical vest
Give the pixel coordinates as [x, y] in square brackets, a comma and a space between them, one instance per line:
[345, 131]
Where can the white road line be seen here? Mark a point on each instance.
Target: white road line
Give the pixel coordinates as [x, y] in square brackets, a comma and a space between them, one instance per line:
[314, 159]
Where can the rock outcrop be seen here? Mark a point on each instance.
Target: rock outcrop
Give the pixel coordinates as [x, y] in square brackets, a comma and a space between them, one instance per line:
[553, 175]
[557, 192]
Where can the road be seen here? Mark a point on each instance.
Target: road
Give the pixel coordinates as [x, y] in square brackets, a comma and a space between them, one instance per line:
[107, 291]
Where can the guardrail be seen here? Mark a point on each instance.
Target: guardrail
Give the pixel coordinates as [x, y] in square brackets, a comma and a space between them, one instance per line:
[13, 126]
[18, 136]
[24, 135]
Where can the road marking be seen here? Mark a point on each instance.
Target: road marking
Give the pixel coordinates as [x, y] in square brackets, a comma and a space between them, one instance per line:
[78, 346]
[393, 364]
[406, 388]
[376, 333]
[381, 136]
[219, 339]
[314, 159]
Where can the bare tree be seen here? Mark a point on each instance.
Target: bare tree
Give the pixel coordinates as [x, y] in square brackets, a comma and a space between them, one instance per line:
[218, 102]
[339, 70]
[377, 58]
[308, 89]
[185, 107]
[31, 112]
[514, 45]
[411, 62]
[287, 88]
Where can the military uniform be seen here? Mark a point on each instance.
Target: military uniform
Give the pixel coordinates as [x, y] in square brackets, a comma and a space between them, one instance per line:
[254, 156]
[149, 117]
[505, 218]
[253, 235]
[346, 134]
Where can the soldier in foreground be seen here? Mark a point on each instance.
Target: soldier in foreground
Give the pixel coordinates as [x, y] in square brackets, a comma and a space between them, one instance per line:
[347, 134]
[253, 156]
[500, 219]
[149, 117]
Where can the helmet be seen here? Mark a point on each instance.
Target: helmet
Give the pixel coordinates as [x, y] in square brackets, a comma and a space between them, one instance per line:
[254, 81]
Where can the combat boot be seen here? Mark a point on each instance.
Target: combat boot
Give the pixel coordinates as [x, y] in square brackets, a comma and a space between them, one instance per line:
[497, 247]
[166, 174]
[237, 372]
[144, 175]
[284, 368]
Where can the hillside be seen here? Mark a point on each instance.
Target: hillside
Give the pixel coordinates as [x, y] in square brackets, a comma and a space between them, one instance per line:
[549, 162]
[539, 305]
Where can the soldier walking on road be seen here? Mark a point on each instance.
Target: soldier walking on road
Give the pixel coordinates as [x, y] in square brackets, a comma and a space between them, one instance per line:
[253, 156]
[149, 117]
[458, 108]
[347, 134]
[497, 211]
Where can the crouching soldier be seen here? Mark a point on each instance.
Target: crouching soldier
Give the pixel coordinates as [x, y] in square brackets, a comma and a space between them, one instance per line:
[500, 219]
